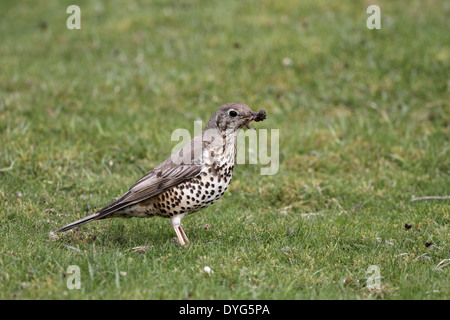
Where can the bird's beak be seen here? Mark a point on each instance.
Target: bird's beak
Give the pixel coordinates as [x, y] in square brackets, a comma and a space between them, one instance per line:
[250, 119]
[260, 116]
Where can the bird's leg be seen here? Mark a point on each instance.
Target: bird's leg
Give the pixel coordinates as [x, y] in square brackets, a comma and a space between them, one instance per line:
[185, 238]
[180, 237]
[176, 224]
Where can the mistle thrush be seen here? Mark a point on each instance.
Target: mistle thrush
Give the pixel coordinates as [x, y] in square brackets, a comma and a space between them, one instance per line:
[189, 180]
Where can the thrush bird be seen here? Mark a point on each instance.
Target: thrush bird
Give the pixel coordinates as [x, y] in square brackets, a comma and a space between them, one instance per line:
[189, 180]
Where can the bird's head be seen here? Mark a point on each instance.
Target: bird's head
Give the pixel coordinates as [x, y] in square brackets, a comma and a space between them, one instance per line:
[231, 117]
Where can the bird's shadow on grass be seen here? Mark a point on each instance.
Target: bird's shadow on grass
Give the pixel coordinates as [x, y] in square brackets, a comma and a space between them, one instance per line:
[120, 235]
[124, 236]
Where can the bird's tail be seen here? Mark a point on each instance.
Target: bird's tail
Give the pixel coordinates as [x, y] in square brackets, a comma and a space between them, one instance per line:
[104, 213]
[92, 217]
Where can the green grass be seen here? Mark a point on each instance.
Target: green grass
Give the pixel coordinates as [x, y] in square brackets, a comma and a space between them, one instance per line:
[364, 120]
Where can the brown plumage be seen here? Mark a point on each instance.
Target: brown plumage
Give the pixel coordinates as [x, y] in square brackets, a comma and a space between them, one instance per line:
[190, 179]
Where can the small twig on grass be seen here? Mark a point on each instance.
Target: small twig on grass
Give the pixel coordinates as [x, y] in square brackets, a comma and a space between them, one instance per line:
[431, 198]
[8, 168]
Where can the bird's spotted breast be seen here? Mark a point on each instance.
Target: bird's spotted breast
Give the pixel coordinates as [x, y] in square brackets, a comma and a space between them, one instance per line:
[191, 195]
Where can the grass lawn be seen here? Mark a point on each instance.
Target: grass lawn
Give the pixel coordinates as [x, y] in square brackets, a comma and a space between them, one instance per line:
[364, 125]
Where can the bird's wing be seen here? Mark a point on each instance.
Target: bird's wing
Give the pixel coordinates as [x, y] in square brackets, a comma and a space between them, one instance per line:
[163, 177]
[155, 182]
[171, 172]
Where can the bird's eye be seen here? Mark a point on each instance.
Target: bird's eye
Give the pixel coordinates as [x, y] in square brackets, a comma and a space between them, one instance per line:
[232, 113]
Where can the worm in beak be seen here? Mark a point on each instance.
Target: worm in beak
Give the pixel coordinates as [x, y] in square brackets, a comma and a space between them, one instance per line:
[260, 116]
